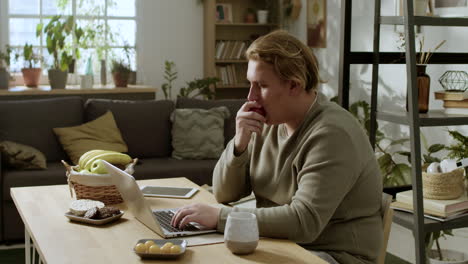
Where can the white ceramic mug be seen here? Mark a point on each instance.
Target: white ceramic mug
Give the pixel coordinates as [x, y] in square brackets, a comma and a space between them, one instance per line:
[241, 232]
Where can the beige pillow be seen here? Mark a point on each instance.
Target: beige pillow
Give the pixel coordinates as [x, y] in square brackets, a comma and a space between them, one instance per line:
[22, 156]
[101, 133]
[198, 133]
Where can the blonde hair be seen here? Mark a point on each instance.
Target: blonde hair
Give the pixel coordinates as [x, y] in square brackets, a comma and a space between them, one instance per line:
[291, 59]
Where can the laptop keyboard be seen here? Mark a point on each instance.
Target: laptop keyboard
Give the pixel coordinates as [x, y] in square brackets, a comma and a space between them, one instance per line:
[164, 219]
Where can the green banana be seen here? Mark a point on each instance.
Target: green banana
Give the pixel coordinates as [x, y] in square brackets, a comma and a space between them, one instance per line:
[87, 155]
[111, 157]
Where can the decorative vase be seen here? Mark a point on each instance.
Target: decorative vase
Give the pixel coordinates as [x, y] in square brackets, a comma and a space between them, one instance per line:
[31, 76]
[103, 72]
[423, 82]
[4, 79]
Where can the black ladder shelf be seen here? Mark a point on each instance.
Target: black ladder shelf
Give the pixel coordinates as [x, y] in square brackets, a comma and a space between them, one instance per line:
[416, 222]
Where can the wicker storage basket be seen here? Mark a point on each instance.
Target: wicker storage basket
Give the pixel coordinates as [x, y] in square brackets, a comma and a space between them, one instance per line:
[443, 186]
[94, 186]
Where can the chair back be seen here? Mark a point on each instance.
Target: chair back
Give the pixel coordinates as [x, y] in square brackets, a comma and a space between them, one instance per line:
[387, 215]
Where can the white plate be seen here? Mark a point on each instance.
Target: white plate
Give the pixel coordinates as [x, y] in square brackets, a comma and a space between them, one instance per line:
[93, 221]
[160, 242]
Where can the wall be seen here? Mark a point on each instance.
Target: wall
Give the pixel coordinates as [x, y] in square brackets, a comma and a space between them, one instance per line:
[170, 30]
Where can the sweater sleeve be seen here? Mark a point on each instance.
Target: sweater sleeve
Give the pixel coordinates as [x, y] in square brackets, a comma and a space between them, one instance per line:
[230, 176]
[327, 169]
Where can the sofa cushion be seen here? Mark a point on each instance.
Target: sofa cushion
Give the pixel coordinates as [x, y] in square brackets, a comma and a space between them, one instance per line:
[21, 156]
[55, 174]
[198, 133]
[198, 171]
[101, 133]
[145, 125]
[30, 122]
[232, 104]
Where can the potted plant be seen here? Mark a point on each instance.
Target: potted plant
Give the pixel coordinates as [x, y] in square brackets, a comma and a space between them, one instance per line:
[132, 75]
[31, 74]
[57, 33]
[250, 16]
[120, 73]
[5, 59]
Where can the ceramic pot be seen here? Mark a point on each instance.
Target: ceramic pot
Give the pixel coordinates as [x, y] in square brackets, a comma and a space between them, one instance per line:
[31, 76]
[120, 79]
[262, 16]
[57, 78]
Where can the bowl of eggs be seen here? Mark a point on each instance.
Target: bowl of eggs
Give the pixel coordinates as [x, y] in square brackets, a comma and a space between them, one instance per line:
[160, 248]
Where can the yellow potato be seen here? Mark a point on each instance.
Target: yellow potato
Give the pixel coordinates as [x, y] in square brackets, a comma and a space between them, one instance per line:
[166, 248]
[149, 243]
[168, 244]
[154, 249]
[140, 248]
[175, 249]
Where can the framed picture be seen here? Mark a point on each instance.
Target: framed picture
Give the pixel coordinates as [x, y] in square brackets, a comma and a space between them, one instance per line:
[317, 23]
[224, 13]
[450, 8]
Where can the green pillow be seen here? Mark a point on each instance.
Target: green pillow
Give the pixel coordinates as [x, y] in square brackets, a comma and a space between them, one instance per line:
[101, 133]
[21, 156]
[198, 133]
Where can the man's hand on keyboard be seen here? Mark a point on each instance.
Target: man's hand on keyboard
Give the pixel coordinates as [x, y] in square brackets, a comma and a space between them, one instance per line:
[202, 214]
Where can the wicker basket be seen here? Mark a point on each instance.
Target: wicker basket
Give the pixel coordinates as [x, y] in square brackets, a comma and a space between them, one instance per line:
[443, 186]
[94, 186]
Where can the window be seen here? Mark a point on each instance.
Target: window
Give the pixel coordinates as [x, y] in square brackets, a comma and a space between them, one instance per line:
[109, 25]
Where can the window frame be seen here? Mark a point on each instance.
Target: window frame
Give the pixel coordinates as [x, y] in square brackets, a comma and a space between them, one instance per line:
[5, 17]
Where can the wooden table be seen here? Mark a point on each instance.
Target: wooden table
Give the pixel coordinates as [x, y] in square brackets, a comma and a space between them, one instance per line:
[58, 240]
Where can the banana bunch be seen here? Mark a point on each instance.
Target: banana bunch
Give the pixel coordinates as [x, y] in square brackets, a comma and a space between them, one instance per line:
[90, 162]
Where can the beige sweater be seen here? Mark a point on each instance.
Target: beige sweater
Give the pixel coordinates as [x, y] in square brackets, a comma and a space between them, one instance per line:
[321, 187]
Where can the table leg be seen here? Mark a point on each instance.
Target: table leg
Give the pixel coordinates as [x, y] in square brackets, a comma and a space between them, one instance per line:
[27, 246]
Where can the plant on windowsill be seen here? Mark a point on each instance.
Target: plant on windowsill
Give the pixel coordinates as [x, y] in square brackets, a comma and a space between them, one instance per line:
[120, 72]
[58, 32]
[128, 51]
[31, 73]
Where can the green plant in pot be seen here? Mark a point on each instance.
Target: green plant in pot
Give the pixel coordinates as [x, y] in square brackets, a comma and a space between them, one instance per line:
[58, 32]
[120, 72]
[128, 50]
[31, 73]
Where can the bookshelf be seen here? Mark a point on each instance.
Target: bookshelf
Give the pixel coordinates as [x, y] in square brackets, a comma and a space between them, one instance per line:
[225, 42]
[414, 221]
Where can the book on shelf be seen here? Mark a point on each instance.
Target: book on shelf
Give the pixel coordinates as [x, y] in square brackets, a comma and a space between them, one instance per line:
[456, 104]
[452, 96]
[441, 206]
[456, 111]
[429, 213]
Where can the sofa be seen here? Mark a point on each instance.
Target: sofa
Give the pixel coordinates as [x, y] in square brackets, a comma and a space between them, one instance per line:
[145, 127]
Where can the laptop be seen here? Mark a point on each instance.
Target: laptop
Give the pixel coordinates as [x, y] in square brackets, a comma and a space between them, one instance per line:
[157, 220]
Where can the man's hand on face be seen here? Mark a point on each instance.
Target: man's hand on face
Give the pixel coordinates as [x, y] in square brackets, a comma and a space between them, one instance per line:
[250, 119]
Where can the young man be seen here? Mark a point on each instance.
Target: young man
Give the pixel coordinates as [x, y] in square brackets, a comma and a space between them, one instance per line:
[307, 160]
